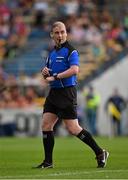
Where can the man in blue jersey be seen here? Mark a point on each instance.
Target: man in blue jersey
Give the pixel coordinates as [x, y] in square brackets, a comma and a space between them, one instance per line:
[61, 69]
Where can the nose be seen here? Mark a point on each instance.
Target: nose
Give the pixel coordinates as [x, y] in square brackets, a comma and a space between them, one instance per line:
[60, 35]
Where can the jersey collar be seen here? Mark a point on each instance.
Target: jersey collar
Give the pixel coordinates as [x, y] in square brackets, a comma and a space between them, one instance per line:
[61, 45]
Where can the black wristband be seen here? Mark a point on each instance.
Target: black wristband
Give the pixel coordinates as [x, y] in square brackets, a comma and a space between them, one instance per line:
[55, 76]
[45, 76]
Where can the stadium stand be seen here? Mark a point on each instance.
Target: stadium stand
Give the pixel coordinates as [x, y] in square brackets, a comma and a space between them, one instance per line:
[96, 28]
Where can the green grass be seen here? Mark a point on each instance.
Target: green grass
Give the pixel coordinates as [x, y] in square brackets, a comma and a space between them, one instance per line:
[72, 159]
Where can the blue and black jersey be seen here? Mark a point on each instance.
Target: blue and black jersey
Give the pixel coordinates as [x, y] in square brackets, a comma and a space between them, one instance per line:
[61, 59]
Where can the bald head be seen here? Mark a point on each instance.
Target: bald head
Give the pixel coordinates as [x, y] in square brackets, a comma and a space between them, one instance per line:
[58, 33]
[58, 24]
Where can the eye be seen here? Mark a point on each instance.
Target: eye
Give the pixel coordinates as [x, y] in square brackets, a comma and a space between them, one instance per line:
[56, 32]
[62, 32]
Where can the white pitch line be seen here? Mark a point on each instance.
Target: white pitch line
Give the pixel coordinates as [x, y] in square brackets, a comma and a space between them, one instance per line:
[62, 174]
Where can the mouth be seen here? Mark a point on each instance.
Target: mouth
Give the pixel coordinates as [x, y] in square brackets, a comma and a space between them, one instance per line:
[59, 41]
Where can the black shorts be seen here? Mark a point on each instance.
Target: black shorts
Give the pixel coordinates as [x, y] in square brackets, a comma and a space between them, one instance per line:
[62, 102]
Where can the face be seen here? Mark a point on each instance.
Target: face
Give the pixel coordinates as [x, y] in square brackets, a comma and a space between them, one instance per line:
[59, 34]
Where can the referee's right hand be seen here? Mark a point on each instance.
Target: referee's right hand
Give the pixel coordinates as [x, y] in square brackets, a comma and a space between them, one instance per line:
[45, 72]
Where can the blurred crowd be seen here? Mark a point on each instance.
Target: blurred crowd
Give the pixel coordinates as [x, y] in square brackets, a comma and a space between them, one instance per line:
[88, 22]
[98, 30]
[22, 92]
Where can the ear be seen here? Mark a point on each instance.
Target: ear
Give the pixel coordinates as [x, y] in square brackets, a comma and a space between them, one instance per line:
[51, 35]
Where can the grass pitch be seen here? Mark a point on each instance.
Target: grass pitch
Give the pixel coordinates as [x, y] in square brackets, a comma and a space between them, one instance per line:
[72, 159]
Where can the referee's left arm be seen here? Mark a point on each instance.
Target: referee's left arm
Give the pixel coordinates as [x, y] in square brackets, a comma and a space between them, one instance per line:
[73, 70]
[74, 66]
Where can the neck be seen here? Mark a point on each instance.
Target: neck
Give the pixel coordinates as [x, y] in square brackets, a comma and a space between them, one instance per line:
[59, 45]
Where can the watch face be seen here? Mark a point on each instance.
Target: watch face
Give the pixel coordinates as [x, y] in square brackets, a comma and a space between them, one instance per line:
[55, 74]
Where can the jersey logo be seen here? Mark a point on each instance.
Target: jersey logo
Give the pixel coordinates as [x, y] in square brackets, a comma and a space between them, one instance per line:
[59, 59]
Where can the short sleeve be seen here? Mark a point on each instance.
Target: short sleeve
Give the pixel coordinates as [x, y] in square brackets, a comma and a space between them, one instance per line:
[74, 58]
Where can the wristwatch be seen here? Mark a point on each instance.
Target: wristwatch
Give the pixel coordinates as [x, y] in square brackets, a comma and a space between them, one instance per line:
[55, 76]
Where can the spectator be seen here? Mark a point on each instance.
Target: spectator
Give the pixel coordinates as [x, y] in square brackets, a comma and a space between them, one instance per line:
[97, 53]
[114, 106]
[92, 100]
[18, 99]
[21, 29]
[31, 96]
[5, 11]
[40, 9]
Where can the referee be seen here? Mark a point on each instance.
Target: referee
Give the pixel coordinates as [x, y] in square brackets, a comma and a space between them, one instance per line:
[60, 72]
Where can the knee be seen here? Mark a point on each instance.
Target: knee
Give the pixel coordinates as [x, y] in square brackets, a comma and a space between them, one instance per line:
[74, 130]
[46, 126]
